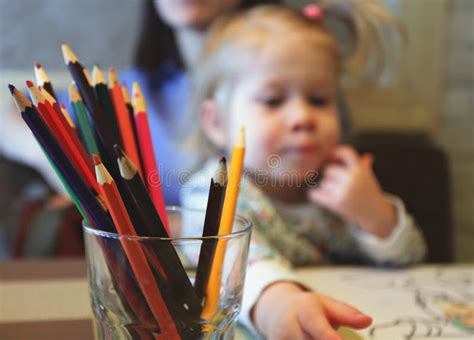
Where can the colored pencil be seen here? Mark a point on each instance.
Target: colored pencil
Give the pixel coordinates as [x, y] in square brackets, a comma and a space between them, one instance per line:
[87, 75]
[131, 114]
[85, 129]
[68, 117]
[181, 289]
[65, 119]
[125, 120]
[225, 226]
[97, 216]
[61, 131]
[150, 169]
[134, 251]
[98, 119]
[154, 225]
[211, 228]
[43, 80]
[103, 96]
[95, 112]
[61, 161]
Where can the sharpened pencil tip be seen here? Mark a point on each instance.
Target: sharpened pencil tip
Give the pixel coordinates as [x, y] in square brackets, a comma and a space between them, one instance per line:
[118, 151]
[223, 161]
[38, 65]
[30, 84]
[96, 158]
[11, 88]
[68, 55]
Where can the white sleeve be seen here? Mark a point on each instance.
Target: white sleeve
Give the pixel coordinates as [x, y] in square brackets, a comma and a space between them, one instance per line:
[403, 246]
[265, 267]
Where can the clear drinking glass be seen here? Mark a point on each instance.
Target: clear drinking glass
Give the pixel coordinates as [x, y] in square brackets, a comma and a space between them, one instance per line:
[120, 309]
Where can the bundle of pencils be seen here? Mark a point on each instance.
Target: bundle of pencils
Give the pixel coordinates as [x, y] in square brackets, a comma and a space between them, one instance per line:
[106, 163]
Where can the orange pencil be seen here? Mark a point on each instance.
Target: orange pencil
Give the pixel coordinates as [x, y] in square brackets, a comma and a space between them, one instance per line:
[126, 125]
[150, 169]
[61, 131]
[134, 251]
[225, 226]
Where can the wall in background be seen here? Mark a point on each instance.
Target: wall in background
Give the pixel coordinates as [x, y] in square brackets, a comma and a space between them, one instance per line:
[456, 131]
[99, 31]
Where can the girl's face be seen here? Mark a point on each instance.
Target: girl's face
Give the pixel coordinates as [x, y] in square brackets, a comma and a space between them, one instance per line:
[287, 102]
[192, 13]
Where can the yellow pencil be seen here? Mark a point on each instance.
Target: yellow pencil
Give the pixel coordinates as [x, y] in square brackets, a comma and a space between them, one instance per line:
[225, 226]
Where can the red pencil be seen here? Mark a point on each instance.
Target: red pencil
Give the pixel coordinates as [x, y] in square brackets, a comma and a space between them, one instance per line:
[134, 251]
[59, 127]
[150, 169]
[65, 119]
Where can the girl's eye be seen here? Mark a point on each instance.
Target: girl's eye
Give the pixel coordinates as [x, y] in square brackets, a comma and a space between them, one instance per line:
[318, 101]
[271, 101]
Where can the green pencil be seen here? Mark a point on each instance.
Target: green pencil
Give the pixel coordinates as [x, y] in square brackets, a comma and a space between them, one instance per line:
[84, 126]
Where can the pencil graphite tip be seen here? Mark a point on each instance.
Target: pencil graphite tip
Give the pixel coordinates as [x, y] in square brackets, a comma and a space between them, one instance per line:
[30, 84]
[118, 151]
[11, 88]
[126, 167]
[220, 177]
[97, 160]
[38, 65]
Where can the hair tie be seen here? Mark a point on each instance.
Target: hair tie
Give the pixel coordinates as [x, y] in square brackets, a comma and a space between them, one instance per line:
[313, 11]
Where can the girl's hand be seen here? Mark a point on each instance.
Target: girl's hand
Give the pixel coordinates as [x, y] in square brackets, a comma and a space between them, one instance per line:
[285, 311]
[350, 189]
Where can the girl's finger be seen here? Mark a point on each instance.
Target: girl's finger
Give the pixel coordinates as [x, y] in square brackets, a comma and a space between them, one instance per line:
[367, 159]
[322, 197]
[344, 315]
[314, 322]
[336, 173]
[346, 155]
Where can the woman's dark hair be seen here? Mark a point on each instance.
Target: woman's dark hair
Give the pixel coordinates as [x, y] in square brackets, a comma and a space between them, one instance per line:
[157, 44]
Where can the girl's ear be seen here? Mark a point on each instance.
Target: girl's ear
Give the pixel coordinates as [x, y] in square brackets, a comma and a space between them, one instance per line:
[213, 124]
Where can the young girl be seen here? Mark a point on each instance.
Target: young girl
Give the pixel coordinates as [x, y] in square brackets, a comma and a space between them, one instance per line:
[276, 72]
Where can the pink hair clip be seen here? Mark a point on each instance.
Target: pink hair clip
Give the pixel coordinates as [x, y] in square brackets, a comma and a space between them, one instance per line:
[313, 11]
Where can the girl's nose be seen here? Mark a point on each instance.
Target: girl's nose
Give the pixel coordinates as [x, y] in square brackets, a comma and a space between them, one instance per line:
[302, 116]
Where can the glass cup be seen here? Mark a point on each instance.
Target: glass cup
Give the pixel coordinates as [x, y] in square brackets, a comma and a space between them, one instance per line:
[118, 288]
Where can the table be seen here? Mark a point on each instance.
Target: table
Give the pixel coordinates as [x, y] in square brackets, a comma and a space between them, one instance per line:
[48, 299]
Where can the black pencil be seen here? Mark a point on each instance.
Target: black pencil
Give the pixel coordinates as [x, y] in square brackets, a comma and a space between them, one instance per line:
[95, 112]
[211, 227]
[181, 295]
[43, 80]
[103, 96]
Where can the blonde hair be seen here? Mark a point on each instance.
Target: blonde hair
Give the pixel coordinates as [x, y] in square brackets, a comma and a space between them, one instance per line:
[355, 31]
